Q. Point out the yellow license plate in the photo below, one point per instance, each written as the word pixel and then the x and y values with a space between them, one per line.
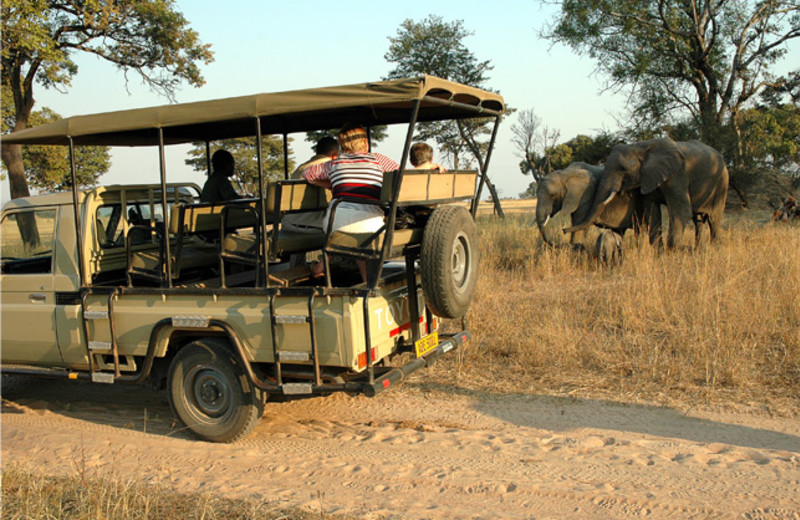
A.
pixel 426 344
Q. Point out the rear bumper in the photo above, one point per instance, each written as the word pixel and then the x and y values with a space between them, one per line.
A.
pixel 397 374
pixel 383 377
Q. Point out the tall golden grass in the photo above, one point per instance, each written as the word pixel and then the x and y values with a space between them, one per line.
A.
pixel 724 317
pixel 29 493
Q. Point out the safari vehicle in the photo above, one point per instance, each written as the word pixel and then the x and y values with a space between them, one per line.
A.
pixel 145 283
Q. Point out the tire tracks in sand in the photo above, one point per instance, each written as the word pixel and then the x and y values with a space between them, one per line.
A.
pixel 416 454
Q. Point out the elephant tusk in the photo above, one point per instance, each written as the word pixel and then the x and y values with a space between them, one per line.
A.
pixel 610 198
pixel 546 221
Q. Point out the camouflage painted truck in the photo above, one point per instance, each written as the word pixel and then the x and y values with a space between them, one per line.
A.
pixel 135 283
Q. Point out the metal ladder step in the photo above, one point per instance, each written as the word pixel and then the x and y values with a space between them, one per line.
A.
pixel 285 356
pixel 102 377
pixel 100 347
pixel 291 356
pixel 296 319
pixel 297 388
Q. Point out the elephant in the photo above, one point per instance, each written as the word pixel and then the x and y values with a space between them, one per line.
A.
pixel 570 191
pixel 609 248
pixel 690 178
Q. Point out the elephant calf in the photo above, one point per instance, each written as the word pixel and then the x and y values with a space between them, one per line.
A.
pixel 609 248
pixel 571 191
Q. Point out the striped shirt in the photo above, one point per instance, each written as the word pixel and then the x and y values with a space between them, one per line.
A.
pixel 354 175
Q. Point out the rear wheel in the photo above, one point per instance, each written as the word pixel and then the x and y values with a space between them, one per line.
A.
pixel 449 261
pixel 210 393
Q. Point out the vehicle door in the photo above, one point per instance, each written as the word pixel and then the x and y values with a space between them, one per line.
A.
pixel 27 298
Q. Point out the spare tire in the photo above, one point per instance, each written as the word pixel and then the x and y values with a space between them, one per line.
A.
pixel 449 261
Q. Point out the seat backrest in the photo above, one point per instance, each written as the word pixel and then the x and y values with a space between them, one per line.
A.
pixel 421 186
pixel 295 195
pixel 205 217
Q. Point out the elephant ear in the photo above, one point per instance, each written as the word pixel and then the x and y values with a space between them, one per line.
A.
pixel 577 191
pixel 663 160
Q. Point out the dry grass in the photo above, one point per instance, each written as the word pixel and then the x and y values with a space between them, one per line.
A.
pixel 723 320
pixel 30 493
pixel 510 207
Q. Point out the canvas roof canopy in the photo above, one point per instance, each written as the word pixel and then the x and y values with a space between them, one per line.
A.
pixel 385 102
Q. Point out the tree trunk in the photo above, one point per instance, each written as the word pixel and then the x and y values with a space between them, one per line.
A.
pixel 498 209
pixel 483 178
pixel 735 187
pixel 12 158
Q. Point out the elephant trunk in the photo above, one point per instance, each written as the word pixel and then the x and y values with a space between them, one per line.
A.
pixel 602 198
pixel 543 210
pixel 588 221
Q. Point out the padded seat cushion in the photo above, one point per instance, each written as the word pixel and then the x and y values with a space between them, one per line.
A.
pixel 288 242
pixel 292 241
pixel 240 244
pixel 149 259
pixel 402 237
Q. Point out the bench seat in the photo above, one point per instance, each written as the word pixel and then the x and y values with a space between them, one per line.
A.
pixel 245 244
pixel 191 257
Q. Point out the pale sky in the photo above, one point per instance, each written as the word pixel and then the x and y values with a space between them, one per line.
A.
pixel 268 46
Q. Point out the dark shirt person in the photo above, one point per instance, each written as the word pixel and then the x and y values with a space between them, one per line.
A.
pixel 218 187
pixel 326 149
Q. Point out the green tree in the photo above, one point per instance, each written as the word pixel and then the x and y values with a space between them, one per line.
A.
pixel 785 89
pixel 542 154
pixel 705 58
pixel 245 157
pixel 48 167
pixel 433 46
pixel 561 156
pixel 41 37
pixel 771 137
pixel 592 150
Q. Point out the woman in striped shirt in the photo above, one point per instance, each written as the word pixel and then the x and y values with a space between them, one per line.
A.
pixel 357 174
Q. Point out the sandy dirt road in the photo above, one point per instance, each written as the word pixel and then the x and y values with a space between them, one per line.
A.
pixel 420 453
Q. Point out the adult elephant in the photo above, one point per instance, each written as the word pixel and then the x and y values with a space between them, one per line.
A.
pixel 689 177
pixel 571 191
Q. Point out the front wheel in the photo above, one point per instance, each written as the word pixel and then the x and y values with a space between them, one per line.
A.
pixel 210 394
pixel 449 261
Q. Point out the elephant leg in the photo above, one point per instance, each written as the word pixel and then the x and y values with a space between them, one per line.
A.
pixel 578 242
pixel 698 221
pixel 705 220
pixel 698 229
pixel 680 215
pixel 715 220
pixel 654 225
pixel 578 237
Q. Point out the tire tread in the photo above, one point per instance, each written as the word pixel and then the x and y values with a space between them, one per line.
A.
pixel 440 232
